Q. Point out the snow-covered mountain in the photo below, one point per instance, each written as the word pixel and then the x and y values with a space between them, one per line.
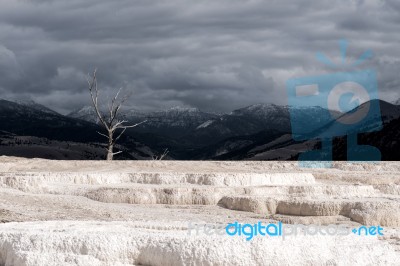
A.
pixel 34 105
pixel 30 104
pixel 255 118
pixel 173 122
pixel 179 118
pixel 86 113
pixel 198 128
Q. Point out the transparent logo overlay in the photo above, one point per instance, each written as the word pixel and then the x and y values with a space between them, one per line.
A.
pixel 262 229
pixel 350 106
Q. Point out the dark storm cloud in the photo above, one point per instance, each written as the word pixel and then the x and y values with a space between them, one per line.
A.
pixel 214 55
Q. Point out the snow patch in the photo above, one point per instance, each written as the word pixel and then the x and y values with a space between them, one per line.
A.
pixel 205 124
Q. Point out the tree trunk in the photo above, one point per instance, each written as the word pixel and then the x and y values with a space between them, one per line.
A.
pixel 110 148
pixel 110 153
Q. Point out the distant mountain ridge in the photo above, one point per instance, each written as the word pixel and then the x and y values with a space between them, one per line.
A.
pixel 173 122
pixel 192 125
pixel 256 132
pixel 43 126
pixel 284 147
pixel 32 104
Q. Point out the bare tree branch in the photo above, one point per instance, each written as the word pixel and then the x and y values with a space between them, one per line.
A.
pixel 135 125
pixel 118 152
pixel 93 86
pixel 104 135
pixel 113 110
pixel 126 127
pixel 120 124
pixel 120 134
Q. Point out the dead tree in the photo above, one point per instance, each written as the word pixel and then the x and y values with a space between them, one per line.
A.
pixel 115 128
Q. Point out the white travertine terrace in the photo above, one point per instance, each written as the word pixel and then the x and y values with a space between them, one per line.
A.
pixel 137 212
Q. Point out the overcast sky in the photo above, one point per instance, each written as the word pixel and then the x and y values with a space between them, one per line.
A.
pixel 216 55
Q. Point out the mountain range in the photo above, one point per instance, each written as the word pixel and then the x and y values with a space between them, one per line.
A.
pixel 256 132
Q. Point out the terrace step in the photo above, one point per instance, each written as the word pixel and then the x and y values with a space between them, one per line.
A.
pixel 20 180
pixel 367 211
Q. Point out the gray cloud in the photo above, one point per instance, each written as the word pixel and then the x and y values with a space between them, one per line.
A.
pixel 214 55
